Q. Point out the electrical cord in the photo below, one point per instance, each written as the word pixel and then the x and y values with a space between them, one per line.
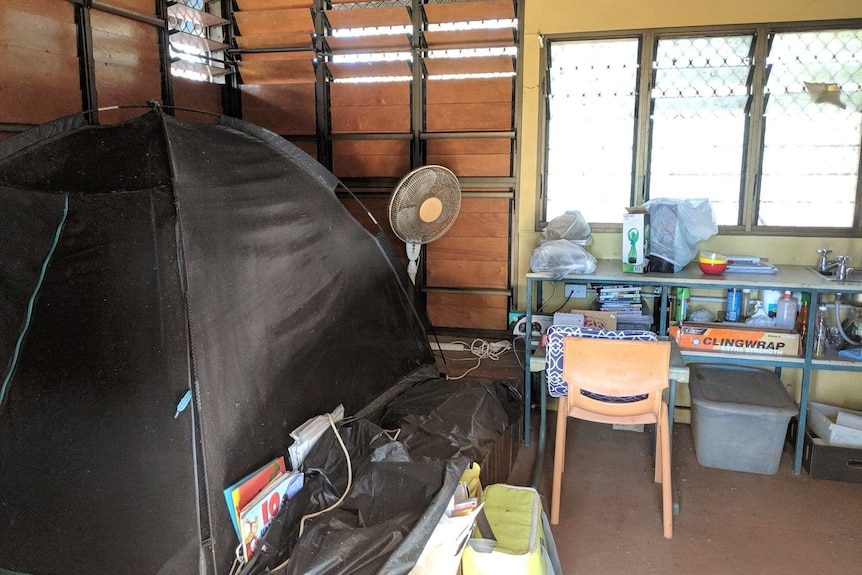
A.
pixel 482 350
pixel 346 489
pixel 562 305
pixel 550 297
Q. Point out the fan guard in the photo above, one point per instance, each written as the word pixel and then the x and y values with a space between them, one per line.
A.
pixel 424 204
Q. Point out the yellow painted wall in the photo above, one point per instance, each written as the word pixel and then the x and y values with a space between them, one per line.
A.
pixel 549 17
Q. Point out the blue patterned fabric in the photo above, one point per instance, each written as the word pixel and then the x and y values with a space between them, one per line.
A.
pixel 557 386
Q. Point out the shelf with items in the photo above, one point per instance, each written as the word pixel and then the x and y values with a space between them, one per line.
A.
pixel 794 278
pixel 744 359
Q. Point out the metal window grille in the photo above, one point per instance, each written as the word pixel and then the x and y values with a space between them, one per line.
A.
pixel 766 123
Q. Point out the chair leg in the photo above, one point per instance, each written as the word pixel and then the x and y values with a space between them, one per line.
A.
pixel 559 461
pixel 658 452
pixel 666 481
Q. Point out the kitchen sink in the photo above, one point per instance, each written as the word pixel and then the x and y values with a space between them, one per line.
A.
pixel 853 278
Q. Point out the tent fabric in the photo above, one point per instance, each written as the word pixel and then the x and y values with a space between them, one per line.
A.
pixel 210 258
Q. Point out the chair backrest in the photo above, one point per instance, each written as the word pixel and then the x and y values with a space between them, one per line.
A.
pixel 600 370
pixel 554 352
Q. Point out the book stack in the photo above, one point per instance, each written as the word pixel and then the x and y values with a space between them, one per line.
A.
pixel 254 500
pixel 626 302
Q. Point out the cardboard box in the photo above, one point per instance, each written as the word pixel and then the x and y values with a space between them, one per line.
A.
pixel 636 230
pixel 825 421
pixel 824 461
pixel 735 338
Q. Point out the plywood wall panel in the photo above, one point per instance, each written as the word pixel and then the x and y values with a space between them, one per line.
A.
pixel 474 253
pixel 480 224
pixel 370 158
pixel 469 105
pixel 468 117
pixel 196 95
pixel 467 274
pixel 285 40
pixel 127 63
pixel 454 248
pixel 145 7
pixel 284 71
pixel 370 119
pixel 287 109
pixel 38 57
pixel 482 65
pixel 368 17
pixel 474 311
pixel 59 9
pixel 273 4
pixel 306 146
pixel 486 90
pixel 470 11
pixel 266 22
pixel 54 33
pixel 472 157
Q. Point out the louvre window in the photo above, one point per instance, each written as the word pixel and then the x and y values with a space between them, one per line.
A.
pixel 766 123
pixel 194 51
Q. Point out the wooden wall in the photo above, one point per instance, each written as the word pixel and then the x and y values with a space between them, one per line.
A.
pixel 38 58
pixel 410 112
pixel 42 66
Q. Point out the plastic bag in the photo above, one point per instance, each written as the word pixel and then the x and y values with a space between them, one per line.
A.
pixel 570 226
pixel 559 258
pixel 675 228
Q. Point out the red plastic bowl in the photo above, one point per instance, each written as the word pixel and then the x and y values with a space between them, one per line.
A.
pixel 712 268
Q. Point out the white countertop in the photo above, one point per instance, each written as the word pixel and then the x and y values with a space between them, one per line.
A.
pixel 787 277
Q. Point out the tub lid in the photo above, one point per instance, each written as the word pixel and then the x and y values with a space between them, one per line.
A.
pixel 739 388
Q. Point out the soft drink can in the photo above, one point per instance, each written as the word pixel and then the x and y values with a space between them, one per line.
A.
pixel 734 304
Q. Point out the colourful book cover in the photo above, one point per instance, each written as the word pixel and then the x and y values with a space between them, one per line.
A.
pixel 256 516
pixel 240 493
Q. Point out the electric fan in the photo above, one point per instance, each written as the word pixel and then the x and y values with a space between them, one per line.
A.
pixel 423 206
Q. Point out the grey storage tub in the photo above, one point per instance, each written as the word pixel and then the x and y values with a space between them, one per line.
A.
pixel 739 417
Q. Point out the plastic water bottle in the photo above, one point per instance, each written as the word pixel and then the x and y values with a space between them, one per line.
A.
pixel 745 306
pixel 785 311
pixel 820 332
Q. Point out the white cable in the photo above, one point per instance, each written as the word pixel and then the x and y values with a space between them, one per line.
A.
pixel 346 489
pixel 483 350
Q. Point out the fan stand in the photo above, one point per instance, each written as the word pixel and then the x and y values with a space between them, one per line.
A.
pixel 429 211
pixel 413 257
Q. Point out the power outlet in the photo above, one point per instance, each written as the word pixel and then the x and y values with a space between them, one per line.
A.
pixel 575 290
pixel 541 323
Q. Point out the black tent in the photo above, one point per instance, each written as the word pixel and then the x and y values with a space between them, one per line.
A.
pixel 140 261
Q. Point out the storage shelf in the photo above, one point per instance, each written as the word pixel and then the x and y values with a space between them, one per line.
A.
pixel 794 277
pixel 744 359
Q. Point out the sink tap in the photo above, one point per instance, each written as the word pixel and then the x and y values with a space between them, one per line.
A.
pixel 824 265
pixel 839 264
pixel 843 272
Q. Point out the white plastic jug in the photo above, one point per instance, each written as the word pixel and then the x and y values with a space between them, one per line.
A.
pixel 785 311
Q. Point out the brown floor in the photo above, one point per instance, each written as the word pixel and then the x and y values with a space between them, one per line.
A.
pixel 729 522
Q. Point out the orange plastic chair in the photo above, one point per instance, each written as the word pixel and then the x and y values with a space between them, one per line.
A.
pixel 604 377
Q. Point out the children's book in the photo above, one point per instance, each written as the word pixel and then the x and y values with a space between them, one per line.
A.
pixel 256 516
pixel 240 493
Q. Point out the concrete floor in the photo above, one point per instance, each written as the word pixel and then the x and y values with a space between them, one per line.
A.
pixel 730 523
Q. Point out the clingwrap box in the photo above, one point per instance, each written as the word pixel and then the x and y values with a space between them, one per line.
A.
pixel 735 338
pixel 635 254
